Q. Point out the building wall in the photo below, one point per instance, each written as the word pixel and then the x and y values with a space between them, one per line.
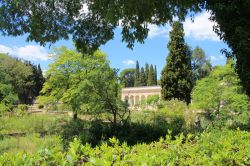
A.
pixel 135 95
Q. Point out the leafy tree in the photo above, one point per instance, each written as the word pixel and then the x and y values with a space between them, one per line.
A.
pixel 222 98
pixel 83 84
pixel 233 28
pixel 176 80
pixel 127 77
pixel 143 77
pixel 62 19
pixel 151 76
pixel 14 76
pixel 33 84
pixel 200 64
pixel 137 74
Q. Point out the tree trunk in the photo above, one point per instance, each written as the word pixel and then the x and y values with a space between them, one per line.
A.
pixel 115 119
pixel 74 114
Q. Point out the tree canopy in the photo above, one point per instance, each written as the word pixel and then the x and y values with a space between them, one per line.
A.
pixel 91 23
pixel 222 97
pixel 20 82
pixel 83 84
pixel 200 63
pixel 127 77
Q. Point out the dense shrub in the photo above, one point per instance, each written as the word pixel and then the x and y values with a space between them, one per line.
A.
pixel 219 147
pixel 221 99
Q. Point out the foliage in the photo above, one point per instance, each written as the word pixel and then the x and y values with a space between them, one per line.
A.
pixel 62 19
pixel 218 147
pixel 222 98
pixel 57 20
pixel 176 80
pixel 127 77
pixel 155 75
pixel 200 64
pixel 137 75
pixel 84 83
pixel 233 28
pixel 179 116
pixel 17 82
pixel 143 77
pixel 151 76
pixel 153 99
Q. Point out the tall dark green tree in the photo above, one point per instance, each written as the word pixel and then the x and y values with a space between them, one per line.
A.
pixel 57 20
pixel 137 74
pixel 176 80
pixel 39 79
pixel 151 76
pixel 155 70
pixel 143 77
pixel 146 71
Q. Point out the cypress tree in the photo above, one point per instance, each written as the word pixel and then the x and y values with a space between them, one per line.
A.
pixel 176 80
pixel 137 74
pixel 155 75
pixel 146 72
pixel 143 77
pixel 39 79
pixel 150 76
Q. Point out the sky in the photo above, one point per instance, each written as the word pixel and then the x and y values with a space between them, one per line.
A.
pixel 153 51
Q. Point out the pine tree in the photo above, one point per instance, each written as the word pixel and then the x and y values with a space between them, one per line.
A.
pixel 137 75
pixel 155 75
pixel 146 72
pixel 176 80
pixel 150 76
pixel 143 77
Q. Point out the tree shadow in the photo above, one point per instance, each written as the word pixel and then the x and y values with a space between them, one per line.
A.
pixel 95 132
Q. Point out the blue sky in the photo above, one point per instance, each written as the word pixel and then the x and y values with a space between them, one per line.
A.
pixel 153 51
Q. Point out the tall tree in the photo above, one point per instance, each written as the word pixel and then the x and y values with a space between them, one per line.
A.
pixel 83 83
pixel 176 80
pixel 146 72
pixel 151 76
pixel 137 74
pixel 57 20
pixel 155 75
pixel 143 77
pixel 200 63
pixel 127 77
pixel 39 79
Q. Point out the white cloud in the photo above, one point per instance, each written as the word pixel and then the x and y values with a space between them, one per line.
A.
pixel 217 58
pixel 201 28
pixel 128 62
pixel 28 52
pixel 156 31
pixel 5 49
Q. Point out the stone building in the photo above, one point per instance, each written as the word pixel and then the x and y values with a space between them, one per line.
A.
pixel 135 95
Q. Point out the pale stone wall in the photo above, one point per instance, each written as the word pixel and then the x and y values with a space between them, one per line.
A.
pixel 135 95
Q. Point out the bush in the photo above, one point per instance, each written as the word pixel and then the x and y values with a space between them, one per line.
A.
pixel 221 99
pixel 218 147
pixel 21 110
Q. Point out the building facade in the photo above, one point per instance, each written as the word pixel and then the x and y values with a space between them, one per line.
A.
pixel 136 95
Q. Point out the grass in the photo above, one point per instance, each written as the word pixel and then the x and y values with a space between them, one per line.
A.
pixel 30 133
pixel 49 124
pixel 29 143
